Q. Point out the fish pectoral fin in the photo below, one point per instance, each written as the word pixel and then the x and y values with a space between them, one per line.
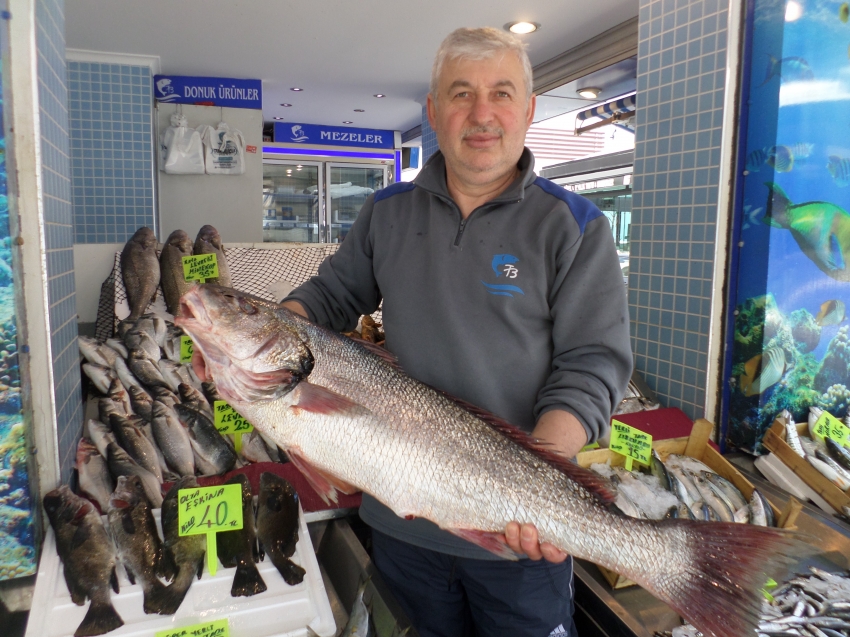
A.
pixel 323 483
pixel 320 400
pixel 493 542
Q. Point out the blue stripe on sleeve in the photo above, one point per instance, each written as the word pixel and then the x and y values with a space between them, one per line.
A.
pixel 394 189
pixel 583 210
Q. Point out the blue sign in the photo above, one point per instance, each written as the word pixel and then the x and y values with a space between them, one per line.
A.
pixel 322 135
pixel 208 91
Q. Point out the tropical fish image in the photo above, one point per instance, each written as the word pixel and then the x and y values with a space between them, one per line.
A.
pixel 763 371
pixel 780 158
pixel 788 69
pixel 839 168
pixel 756 159
pixel 831 313
pixel 751 216
pixel 821 229
pixel 844 12
pixel 801 150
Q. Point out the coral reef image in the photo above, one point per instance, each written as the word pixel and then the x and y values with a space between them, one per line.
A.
pixel 17 547
pixel 774 368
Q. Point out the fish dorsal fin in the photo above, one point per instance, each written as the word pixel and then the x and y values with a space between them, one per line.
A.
pixel 379 351
pixel 592 482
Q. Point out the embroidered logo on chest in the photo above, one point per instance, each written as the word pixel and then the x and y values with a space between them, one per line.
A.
pixel 504 266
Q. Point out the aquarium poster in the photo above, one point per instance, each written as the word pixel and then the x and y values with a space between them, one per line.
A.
pixel 17 539
pixel 790 327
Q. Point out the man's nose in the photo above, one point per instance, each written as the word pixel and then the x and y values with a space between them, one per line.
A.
pixel 482 110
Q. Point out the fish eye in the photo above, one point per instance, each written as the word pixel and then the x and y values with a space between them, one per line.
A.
pixel 247 307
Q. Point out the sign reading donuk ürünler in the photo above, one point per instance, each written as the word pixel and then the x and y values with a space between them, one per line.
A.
pixel 208 91
pixel 321 135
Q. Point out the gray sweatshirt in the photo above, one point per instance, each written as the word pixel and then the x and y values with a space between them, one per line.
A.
pixel 519 309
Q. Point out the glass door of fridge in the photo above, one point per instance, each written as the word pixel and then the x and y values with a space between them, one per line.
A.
pixel 293 196
pixel 348 187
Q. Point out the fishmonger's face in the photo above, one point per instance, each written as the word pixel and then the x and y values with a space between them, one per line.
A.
pixel 481 115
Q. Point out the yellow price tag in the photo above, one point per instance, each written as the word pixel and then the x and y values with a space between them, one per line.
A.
pixel 630 442
pixel 200 267
pixel 207 510
pixel 228 421
pixel 215 628
pixel 591 446
pixel 187 348
pixel 828 426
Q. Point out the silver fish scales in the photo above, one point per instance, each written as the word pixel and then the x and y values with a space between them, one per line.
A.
pixel 344 412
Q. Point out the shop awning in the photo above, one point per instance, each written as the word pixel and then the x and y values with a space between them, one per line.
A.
pixel 619 112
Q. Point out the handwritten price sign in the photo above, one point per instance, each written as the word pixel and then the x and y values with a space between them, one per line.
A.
pixel 208 510
pixel 200 267
pixel 187 348
pixel 828 426
pixel 630 442
pixel 217 628
pixel 227 421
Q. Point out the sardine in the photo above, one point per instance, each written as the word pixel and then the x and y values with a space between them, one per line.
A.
pixel 93 473
pixel 718 505
pixel 140 271
pixel 87 558
pixel 277 525
pixel 186 552
pixel 344 412
pixel 239 548
pixel 172 439
pixel 660 471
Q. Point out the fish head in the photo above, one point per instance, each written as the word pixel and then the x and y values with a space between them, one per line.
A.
pixel 208 234
pixel 180 240
pixel 244 343
pixel 85 450
pixel 63 507
pixel 129 492
pixel 144 237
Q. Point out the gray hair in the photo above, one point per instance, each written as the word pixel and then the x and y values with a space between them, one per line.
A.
pixel 480 44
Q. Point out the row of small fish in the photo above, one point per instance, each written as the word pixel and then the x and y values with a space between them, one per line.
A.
pixel 783 159
pixel 684 487
pixel 830 458
pixel 143 271
pixel 165 568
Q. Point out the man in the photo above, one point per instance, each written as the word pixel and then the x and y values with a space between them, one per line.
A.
pixel 503 290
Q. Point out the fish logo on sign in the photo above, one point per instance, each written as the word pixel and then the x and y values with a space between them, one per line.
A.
pixel 503 264
pixel 165 90
pixel 298 134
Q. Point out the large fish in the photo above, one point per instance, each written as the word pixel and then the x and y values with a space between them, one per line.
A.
pixel 208 241
pixel 140 271
pixel 177 246
pixel 344 411
pixel 87 558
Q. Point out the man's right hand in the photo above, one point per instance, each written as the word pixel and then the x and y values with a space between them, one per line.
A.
pixel 295 306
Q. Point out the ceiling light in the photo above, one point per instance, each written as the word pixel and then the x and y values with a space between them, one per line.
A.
pixel 295 88
pixel 359 110
pixel 521 28
pixel 297 169
pixel 348 121
pixel 286 104
pixel 299 166
pixel 379 95
pixel 278 118
pixel 793 11
pixel 589 93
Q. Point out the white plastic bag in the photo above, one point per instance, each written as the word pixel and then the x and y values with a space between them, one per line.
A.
pixel 224 150
pixel 181 148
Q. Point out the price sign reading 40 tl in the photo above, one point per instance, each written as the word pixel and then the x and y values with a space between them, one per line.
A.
pixel 828 426
pixel 215 628
pixel 630 442
pixel 187 348
pixel 228 421
pixel 200 267
pixel 208 510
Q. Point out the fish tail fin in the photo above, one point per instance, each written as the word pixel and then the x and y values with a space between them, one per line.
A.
pixel 101 618
pixel 716 580
pixel 165 600
pixel 247 581
pixel 290 571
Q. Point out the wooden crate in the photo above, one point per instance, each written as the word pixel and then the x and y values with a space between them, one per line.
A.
pixel 774 440
pixel 696 446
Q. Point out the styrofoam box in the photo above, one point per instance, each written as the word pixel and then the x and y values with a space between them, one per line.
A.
pixel 281 611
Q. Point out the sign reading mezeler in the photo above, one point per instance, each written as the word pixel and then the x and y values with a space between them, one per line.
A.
pixel 322 135
pixel 208 91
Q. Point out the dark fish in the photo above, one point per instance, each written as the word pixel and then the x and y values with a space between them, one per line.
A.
pixel 140 271
pixel 788 69
pixel 756 159
pixel 136 444
pixel 174 284
pixel 839 168
pixel 277 525
pixel 780 158
pixel 213 452
pixel 132 526
pixel 187 552
pixel 87 558
pixel 208 241
pixel 121 464
pixel 239 548
pixel 838 452
pixel 93 473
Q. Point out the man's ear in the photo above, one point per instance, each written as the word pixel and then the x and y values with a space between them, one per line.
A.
pixel 431 107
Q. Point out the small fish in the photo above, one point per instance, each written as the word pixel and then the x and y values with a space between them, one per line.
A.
pixel 125 375
pixel 844 12
pixel 277 525
pixel 843 473
pixel 791 435
pixel 208 241
pixel 119 396
pixel 718 505
pixel 660 471
pixel 93 474
pixel 140 271
pixel 171 373
pixel 802 150
pixel 143 343
pixel 788 69
pixel 213 452
pixel 761 514
pixel 756 159
pixel 239 548
pixel 839 168
pixel 186 552
pixel 829 472
pixel 831 313
pixel 730 490
pixel 87 558
pixel 780 158
pixel 763 371
pixel 174 284
pixel 210 392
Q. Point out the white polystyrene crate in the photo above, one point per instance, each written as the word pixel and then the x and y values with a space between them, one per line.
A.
pixel 280 611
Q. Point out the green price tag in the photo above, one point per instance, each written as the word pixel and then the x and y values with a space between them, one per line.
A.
pixel 591 446
pixel 228 421
pixel 828 426
pixel 208 510
pixel 187 348
pixel 630 442
pixel 200 267
pixel 769 586
pixel 215 628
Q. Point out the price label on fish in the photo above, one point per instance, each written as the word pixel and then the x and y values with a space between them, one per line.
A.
pixel 207 511
pixel 187 348
pixel 828 426
pixel 630 442
pixel 200 267
pixel 216 628
pixel 228 421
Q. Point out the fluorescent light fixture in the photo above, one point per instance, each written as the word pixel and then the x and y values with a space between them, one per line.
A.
pixel 278 118
pixel 299 166
pixel 286 104
pixel 295 88
pixel 348 121
pixel 793 11
pixel 379 95
pixel 359 110
pixel 522 28
pixel 589 93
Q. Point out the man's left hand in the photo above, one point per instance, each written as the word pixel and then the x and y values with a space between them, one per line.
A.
pixel 523 539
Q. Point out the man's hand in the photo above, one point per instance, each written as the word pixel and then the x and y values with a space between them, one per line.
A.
pixel 523 539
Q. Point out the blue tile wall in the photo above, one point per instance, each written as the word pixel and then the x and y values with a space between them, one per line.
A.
pixel 681 75
pixel 429 137
pixel 58 226
pixel 110 109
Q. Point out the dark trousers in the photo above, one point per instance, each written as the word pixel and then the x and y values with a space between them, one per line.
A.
pixel 448 596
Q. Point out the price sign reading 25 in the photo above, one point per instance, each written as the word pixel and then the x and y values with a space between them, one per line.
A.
pixel 228 421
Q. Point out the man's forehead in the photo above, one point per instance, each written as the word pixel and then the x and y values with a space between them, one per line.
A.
pixel 500 69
